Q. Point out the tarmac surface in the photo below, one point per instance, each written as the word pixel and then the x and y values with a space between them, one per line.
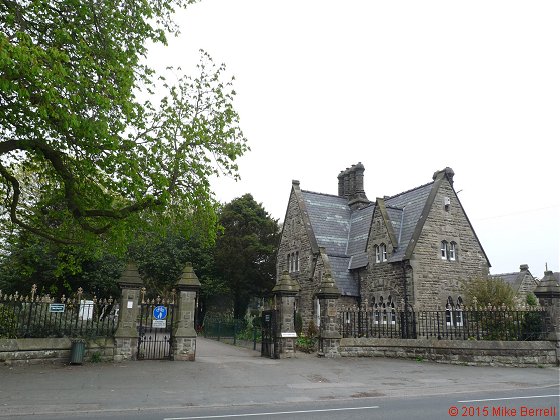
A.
pixel 225 375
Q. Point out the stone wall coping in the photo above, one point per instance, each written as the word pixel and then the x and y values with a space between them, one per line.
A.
pixel 447 344
pixel 37 344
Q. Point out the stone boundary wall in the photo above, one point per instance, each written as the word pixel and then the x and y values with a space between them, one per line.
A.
pixel 52 350
pixel 493 353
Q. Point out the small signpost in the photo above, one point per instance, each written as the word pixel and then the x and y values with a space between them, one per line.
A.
pixel 160 313
pixel 57 307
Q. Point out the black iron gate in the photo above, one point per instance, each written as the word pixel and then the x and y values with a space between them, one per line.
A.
pixel 155 333
pixel 269 344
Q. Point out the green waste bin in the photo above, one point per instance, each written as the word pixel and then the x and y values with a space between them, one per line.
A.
pixel 77 351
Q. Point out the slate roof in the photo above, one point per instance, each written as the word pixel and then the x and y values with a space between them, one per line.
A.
pixel 344 279
pixel 360 221
pixel 344 233
pixel 404 211
pixel 513 279
pixel 330 219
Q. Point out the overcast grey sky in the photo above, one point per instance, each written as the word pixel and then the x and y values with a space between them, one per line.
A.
pixel 406 88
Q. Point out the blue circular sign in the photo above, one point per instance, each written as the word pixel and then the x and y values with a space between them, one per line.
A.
pixel 160 312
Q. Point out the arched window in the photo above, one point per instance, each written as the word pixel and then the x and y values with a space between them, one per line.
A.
pixel 377 310
pixel 449 311
pixel 383 252
pixel 454 313
pixel 443 250
pixel 377 254
pixel 459 312
pixel 288 263
pixel 297 260
pixel 391 310
pixel 452 251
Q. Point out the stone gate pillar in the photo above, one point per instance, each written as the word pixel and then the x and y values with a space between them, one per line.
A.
pixel 126 336
pixel 548 293
pixel 329 335
pixel 184 333
pixel 285 292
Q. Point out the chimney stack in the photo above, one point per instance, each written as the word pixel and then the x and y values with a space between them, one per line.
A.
pixel 341 184
pixel 359 174
pixel 352 175
pixel 447 172
pixel 351 186
pixel 347 183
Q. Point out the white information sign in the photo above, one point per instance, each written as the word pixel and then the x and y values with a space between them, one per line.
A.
pixel 289 334
pixel 158 323
pixel 86 309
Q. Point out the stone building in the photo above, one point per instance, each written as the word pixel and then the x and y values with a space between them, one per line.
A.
pixel 522 282
pixel 413 248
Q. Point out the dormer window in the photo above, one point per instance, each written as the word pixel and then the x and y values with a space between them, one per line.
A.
pixel 292 261
pixel 380 253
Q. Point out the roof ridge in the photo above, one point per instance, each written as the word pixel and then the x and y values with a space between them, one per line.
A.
pixel 318 193
pixel 503 274
pixel 410 190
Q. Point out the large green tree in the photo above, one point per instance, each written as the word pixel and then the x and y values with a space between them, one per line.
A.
pixel 246 250
pixel 55 268
pixel 85 146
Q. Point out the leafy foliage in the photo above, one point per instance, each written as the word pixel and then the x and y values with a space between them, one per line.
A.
pixel 245 251
pixel 56 268
pixel 307 343
pixel 81 155
pixel 161 260
pixel 489 291
pixel 531 299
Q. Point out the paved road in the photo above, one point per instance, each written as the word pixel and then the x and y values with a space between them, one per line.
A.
pixel 224 376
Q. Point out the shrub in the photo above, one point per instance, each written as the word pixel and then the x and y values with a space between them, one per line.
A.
pixel 531 300
pixel 489 291
pixel 306 344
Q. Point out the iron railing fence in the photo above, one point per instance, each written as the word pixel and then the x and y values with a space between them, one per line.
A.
pixel 222 327
pixel 500 324
pixel 36 316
